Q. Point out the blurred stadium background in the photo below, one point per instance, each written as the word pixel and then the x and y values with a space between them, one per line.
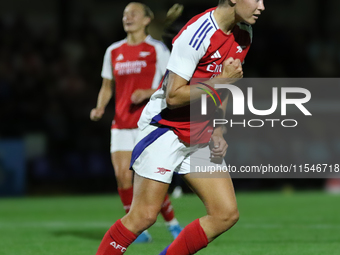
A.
pixel 50 62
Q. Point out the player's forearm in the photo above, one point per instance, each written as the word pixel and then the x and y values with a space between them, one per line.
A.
pixel 179 93
pixel 105 94
pixel 149 92
pixel 223 107
pixel 221 114
pixel 103 99
pixel 186 94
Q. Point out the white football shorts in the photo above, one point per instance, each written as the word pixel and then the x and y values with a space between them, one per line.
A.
pixel 123 139
pixel 159 153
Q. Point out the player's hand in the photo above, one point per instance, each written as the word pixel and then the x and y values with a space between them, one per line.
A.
pixel 173 13
pixel 138 96
pixel 218 146
pixel 232 68
pixel 96 114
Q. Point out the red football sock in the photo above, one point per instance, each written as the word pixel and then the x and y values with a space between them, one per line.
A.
pixel 126 197
pixel 116 240
pixel 167 210
pixel 189 241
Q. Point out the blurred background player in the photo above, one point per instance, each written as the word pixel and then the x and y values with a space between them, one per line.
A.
pixel 132 70
pixel 219 37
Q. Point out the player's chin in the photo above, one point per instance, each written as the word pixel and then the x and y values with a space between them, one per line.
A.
pixel 128 29
pixel 252 20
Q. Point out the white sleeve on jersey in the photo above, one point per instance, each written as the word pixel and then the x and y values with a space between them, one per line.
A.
pixel 107 72
pixel 163 55
pixel 162 58
pixel 190 47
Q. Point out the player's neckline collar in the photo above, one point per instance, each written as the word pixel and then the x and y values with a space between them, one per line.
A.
pixel 213 20
pixel 148 37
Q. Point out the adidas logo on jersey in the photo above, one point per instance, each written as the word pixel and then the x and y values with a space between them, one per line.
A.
pixel 120 57
pixel 216 55
pixel 143 54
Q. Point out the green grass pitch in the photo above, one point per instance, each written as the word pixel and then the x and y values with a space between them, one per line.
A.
pixel 306 223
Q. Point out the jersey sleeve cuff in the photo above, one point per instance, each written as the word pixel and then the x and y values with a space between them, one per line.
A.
pixel 183 75
pixel 106 77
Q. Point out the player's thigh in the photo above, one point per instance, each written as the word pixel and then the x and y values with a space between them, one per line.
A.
pixel 121 164
pixel 215 189
pixel 217 194
pixel 148 196
pixel 148 192
pixel 121 160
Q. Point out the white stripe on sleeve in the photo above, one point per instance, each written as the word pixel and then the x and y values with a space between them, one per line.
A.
pixel 190 47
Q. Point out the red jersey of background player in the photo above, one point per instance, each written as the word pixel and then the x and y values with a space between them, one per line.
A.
pixel 199 51
pixel 133 67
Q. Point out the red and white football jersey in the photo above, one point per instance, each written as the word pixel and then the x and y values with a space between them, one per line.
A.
pixel 199 51
pixel 133 67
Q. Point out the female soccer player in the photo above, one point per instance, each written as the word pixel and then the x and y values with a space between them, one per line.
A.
pixel 212 45
pixel 132 68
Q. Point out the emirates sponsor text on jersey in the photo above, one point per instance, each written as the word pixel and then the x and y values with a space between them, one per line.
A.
pixel 130 67
pixel 214 68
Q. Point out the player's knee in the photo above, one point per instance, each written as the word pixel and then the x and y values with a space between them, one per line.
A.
pixel 234 216
pixel 230 217
pixel 141 218
pixel 227 216
pixel 148 216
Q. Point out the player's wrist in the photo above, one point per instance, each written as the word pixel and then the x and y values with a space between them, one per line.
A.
pixel 100 108
pixel 220 130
